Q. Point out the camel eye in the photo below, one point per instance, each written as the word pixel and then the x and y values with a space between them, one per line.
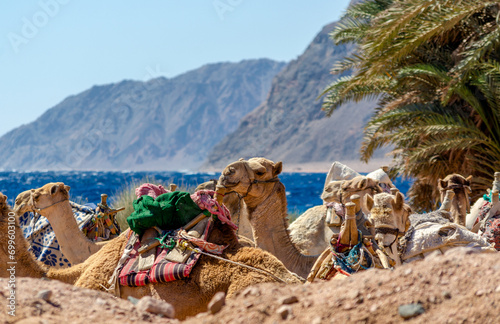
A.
pixel 260 173
pixel 328 189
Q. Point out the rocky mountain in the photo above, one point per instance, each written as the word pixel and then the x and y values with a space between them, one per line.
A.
pixel 290 125
pixel 162 124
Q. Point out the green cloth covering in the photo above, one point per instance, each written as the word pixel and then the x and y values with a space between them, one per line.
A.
pixel 168 211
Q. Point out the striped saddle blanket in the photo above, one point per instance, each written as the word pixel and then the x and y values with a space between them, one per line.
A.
pixel 132 273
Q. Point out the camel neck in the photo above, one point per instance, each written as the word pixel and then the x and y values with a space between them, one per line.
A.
pixel 74 245
pixel 270 228
pixel 459 208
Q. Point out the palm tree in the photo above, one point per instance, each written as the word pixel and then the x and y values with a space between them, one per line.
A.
pixel 433 64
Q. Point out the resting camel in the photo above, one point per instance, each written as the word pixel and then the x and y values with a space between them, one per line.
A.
pixel 461 187
pixel 420 234
pixel 52 201
pixel 188 297
pixel 311 231
pixel 256 180
pixel 238 209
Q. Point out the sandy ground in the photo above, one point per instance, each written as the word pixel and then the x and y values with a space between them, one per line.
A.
pixel 458 287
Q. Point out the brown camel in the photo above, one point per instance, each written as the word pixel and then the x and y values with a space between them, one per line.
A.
pixel 238 209
pixel 188 297
pixel 52 201
pixel 461 186
pixel 256 180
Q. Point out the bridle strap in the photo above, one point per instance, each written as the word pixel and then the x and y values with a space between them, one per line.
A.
pixel 388 230
pixel 38 210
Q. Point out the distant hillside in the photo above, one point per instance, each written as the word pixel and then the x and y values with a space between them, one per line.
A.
pixel 289 125
pixel 162 124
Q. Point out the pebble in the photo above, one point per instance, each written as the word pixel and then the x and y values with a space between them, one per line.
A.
pixel 289 300
pixel 251 291
pixel 154 306
pixel 284 311
pixel 410 310
pixel 316 320
pixel 446 294
pixel 218 300
pixel 480 292
pixel 408 272
pixel 133 300
pixel 44 294
pixel 497 289
pixel 100 302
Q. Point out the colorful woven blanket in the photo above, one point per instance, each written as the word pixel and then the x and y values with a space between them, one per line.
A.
pixel 163 270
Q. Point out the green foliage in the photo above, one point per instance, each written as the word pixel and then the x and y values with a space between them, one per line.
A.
pixel 434 65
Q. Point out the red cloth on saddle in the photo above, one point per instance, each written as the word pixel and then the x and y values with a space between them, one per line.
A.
pixel 492 232
pixel 161 271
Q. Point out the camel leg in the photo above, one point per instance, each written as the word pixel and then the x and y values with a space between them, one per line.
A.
pixel 395 254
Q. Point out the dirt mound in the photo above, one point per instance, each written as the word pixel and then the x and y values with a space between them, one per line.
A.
pixel 459 287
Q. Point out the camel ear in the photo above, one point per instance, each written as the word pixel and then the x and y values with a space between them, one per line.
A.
pixel 3 198
pixel 67 188
pixel 442 184
pixel 278 167
pixel 468 180
pixel 241 159
pixel 54 189
pixel 363 184
pixel 399 201
pixel 369 201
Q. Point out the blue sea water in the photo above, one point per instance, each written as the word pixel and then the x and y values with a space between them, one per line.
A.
pixel 303 189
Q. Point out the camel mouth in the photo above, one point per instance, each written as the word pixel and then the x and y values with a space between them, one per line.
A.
pixel 24 208
pixel 226 184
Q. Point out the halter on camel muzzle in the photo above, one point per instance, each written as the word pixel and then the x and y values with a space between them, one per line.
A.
pixel 253 181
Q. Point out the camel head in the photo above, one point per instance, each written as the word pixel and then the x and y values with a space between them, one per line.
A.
pixel 341 191
pixel 252 179
pixel 38 200
pixel 461 187
pixel 389 215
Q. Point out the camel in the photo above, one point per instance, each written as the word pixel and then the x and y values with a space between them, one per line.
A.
pixel 238 209
pixel 311 231
pixel 479 208
pixel 52 201
pixel 188 297
pixel 421 234
pixel 256 180
pixel 339 259
pixel 461 187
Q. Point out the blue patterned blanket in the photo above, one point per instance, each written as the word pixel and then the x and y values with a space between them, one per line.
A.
pixel 41 238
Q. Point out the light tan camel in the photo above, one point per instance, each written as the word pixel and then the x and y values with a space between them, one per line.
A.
pixel 188 297
pixel 311 231
pixel 256 180
pixel 17 261
pixel 52 201
pixel 461 186
pixel 421 233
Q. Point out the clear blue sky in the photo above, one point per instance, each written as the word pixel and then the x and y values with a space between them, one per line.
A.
pixel 50 49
